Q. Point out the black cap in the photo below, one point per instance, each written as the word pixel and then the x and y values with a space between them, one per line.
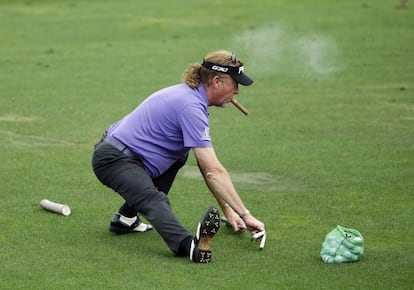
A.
pixel 236 72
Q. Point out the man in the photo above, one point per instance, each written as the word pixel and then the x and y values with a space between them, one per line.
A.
pixel 140 155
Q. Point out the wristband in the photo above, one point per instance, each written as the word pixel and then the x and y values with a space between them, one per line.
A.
pixel 246 212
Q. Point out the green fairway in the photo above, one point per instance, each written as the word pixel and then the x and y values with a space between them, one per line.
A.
pixel 329 140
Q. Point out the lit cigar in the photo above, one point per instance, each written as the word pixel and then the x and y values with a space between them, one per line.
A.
pixel 240 107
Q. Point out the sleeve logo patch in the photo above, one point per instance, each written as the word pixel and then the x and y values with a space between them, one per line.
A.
pixel 206 135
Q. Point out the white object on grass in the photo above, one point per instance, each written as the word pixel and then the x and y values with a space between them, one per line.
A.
pixel 256 236
pixel 262 243
pixel 259 235
pixel 55 207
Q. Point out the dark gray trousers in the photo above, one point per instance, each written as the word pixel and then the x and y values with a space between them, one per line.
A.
pixel 126 176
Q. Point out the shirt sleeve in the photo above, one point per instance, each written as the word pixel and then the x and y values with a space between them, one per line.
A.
pixel 195 127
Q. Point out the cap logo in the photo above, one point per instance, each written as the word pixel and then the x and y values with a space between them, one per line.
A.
pixel 231 70
pixel 219 68
pixel 236 72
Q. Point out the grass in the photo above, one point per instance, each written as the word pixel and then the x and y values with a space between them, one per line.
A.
pixel 329 139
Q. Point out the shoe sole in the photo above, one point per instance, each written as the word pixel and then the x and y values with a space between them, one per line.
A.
pixel 119 231
pixel 123 231
pixel 207 228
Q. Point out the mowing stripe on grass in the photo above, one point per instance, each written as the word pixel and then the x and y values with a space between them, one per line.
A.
pixel 32 141
pixel 260 181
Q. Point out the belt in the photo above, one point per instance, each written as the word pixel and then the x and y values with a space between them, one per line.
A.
pixel 119 145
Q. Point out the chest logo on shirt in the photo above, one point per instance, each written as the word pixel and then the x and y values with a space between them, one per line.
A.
pixel 206 135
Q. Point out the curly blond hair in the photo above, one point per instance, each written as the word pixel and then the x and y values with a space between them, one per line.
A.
pixel 195 72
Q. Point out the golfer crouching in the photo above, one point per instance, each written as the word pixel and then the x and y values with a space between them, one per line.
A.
pixel 140 155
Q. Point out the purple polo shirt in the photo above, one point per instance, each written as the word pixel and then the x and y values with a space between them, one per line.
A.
pixel 165 126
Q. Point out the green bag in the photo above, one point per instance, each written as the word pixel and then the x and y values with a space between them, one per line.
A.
pixel 342 245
